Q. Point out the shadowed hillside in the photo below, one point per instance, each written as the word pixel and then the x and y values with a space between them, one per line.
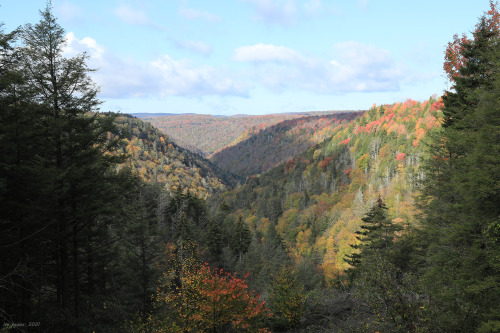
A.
pixel 316 199
pixel 206 134
pixel 159 159
pixel 266 148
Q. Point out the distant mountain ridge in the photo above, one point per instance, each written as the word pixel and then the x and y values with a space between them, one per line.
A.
pixel 316 199
pixel 157 158
pixel 257 150
pixel 206 134
pixel 141 115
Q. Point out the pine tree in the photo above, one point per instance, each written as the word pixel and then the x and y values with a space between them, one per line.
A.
pixel 469 67
pixel 460 228
pixel 286 299
pixel 375 236
pixel 214 240
pixel 21 187
pixel 241 238
pixel 58 179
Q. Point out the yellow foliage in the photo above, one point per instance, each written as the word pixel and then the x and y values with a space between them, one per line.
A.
pixel 263 225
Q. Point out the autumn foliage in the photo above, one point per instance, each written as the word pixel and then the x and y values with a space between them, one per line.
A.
pixel 324 191
pixel 454 54
pixel 195 298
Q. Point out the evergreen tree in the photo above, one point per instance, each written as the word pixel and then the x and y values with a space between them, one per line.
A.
pixel 22 187
pixel 59 181
pixel 214 240
pixel 375 236
pixel 469 66
pixel 377 277
pixel 286 299
pixel 460 228
pixel 241 238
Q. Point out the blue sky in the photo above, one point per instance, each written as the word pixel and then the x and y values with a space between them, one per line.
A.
pixel 258 56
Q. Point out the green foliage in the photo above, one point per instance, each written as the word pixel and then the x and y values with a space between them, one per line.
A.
pixel 240 238
pixel 193 298
pixel 460 229
pixel 207 134
pixel 286 300
pixel 317 199
pixel 277 144
pixel 59 189
pixel 87 201
pixel 156 158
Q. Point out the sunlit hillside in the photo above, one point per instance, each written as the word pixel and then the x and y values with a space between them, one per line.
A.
pixel 317 199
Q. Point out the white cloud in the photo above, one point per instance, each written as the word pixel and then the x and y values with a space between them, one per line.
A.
pixel 366 67
pixel 194 46
pixel 74 46
pixel 266 53
pixel 356 68
pixel 193 14
pixel 125 78
pixel 275 11
pixel 285 12
pixel 131 15
pixel 181 77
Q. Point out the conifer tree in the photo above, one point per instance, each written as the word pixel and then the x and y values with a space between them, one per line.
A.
pixel 20 206
pixel 214 240
pixel 286 299
pixel 462 192
pixel 375 236
pixel 241 238
pixel 61 186
pixel 469 66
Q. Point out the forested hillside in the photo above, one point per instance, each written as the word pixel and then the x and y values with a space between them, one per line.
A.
pixel 266 148
pixel 391 224
pixel 157 159
pixel 316 200
pixel 207 134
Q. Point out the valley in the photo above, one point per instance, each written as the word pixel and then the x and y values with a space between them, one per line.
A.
pixel 376 220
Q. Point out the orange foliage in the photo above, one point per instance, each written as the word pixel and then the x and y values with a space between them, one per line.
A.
pixel 437 105
pixel 197 299
pixel 346 141
pixel 454 55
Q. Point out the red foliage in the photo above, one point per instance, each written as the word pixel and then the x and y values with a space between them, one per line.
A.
pixel 320 208
pixel 400 156
pixel 409 103
pixel 348 171
pixel 454 59
pixel 437 105
pixel 346 141
pixel 325 163
pixel 389 116
pixel 289 166
pixel 204 300
pixel 368 127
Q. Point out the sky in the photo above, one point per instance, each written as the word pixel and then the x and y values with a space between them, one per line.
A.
pixel 226 57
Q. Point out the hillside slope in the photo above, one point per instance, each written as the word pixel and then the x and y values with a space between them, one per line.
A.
pixel 317 199
pixel 157 158
pixel 266 148
pixel 206 134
